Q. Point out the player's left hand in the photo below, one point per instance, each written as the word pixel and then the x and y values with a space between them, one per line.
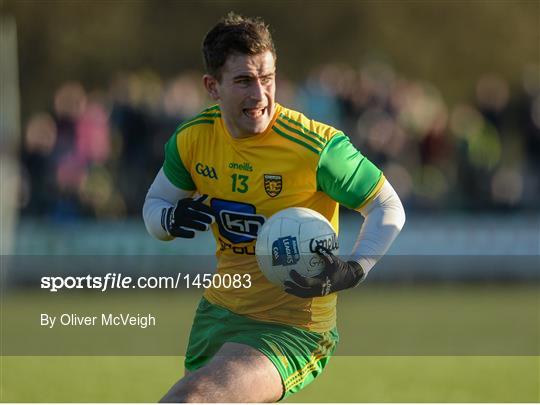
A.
pixel 338 275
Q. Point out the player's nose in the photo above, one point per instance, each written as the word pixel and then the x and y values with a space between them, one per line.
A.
pixel 257 90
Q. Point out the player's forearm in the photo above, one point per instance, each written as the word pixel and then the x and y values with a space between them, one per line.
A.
pixel 161 195
pixel 384 219
pixel 153 214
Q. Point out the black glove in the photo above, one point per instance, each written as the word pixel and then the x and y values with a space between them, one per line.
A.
pixel 338 275
pixel 189 215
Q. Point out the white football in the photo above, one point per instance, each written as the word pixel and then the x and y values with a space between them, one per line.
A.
pixel 287 242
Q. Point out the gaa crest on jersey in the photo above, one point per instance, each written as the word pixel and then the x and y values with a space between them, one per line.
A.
pixel 273 184
pixel 206 171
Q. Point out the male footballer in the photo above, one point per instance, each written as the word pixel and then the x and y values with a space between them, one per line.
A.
pixel 230 168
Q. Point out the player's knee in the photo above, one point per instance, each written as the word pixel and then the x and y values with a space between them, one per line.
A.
pixel 191 395
pixel 190 391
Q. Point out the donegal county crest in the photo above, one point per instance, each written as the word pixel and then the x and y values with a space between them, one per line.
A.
pixel 272 184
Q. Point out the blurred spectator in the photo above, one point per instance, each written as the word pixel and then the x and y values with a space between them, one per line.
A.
pixel 96 154
pixel 317 96
pixel 39 185
pixel 132 123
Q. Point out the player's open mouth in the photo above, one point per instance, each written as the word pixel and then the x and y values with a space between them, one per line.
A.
pixel 254 112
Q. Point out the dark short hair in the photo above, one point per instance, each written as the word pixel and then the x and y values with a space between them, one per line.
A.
pixel 235 34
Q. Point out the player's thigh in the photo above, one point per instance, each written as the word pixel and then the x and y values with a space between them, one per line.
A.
pixel 245 373
pixel 237 373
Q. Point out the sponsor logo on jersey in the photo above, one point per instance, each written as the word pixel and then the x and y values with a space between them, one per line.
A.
pixel 237 222
pixel 240 223
pixel 272 184
pixel 206 171
pixel 330 242
pixel 241 166
pixel 285 251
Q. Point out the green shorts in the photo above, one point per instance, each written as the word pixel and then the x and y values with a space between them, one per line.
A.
pixel 298 354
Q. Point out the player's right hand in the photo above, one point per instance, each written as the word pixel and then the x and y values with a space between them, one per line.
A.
pixel 189 215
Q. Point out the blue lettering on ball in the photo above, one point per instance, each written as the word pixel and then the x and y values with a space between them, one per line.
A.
pixel 285 251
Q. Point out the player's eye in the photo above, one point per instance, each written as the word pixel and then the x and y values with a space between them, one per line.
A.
pixel 244 81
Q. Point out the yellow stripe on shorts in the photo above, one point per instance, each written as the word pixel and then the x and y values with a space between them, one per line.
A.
pixel 325 344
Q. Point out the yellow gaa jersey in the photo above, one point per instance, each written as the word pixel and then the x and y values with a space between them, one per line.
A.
pixel 296 162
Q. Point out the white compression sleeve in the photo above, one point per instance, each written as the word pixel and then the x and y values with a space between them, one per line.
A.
pixel 384 219
pixel 161 194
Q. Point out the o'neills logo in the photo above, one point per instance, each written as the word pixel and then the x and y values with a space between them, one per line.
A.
pixel 330 242
pixel 241 166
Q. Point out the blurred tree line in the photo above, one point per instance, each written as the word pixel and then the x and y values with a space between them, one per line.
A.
pixel 449 43
pixel 444 97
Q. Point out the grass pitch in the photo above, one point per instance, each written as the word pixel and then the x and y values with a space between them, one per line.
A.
pixel 398 344
pixel 347 379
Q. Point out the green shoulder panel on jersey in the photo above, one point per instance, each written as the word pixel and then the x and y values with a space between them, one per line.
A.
pixel 173 167
pixel 346 175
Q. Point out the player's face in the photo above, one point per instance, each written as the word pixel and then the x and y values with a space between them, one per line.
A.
pixel 245 93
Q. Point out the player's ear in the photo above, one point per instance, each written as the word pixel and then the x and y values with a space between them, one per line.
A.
pixel 211 86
